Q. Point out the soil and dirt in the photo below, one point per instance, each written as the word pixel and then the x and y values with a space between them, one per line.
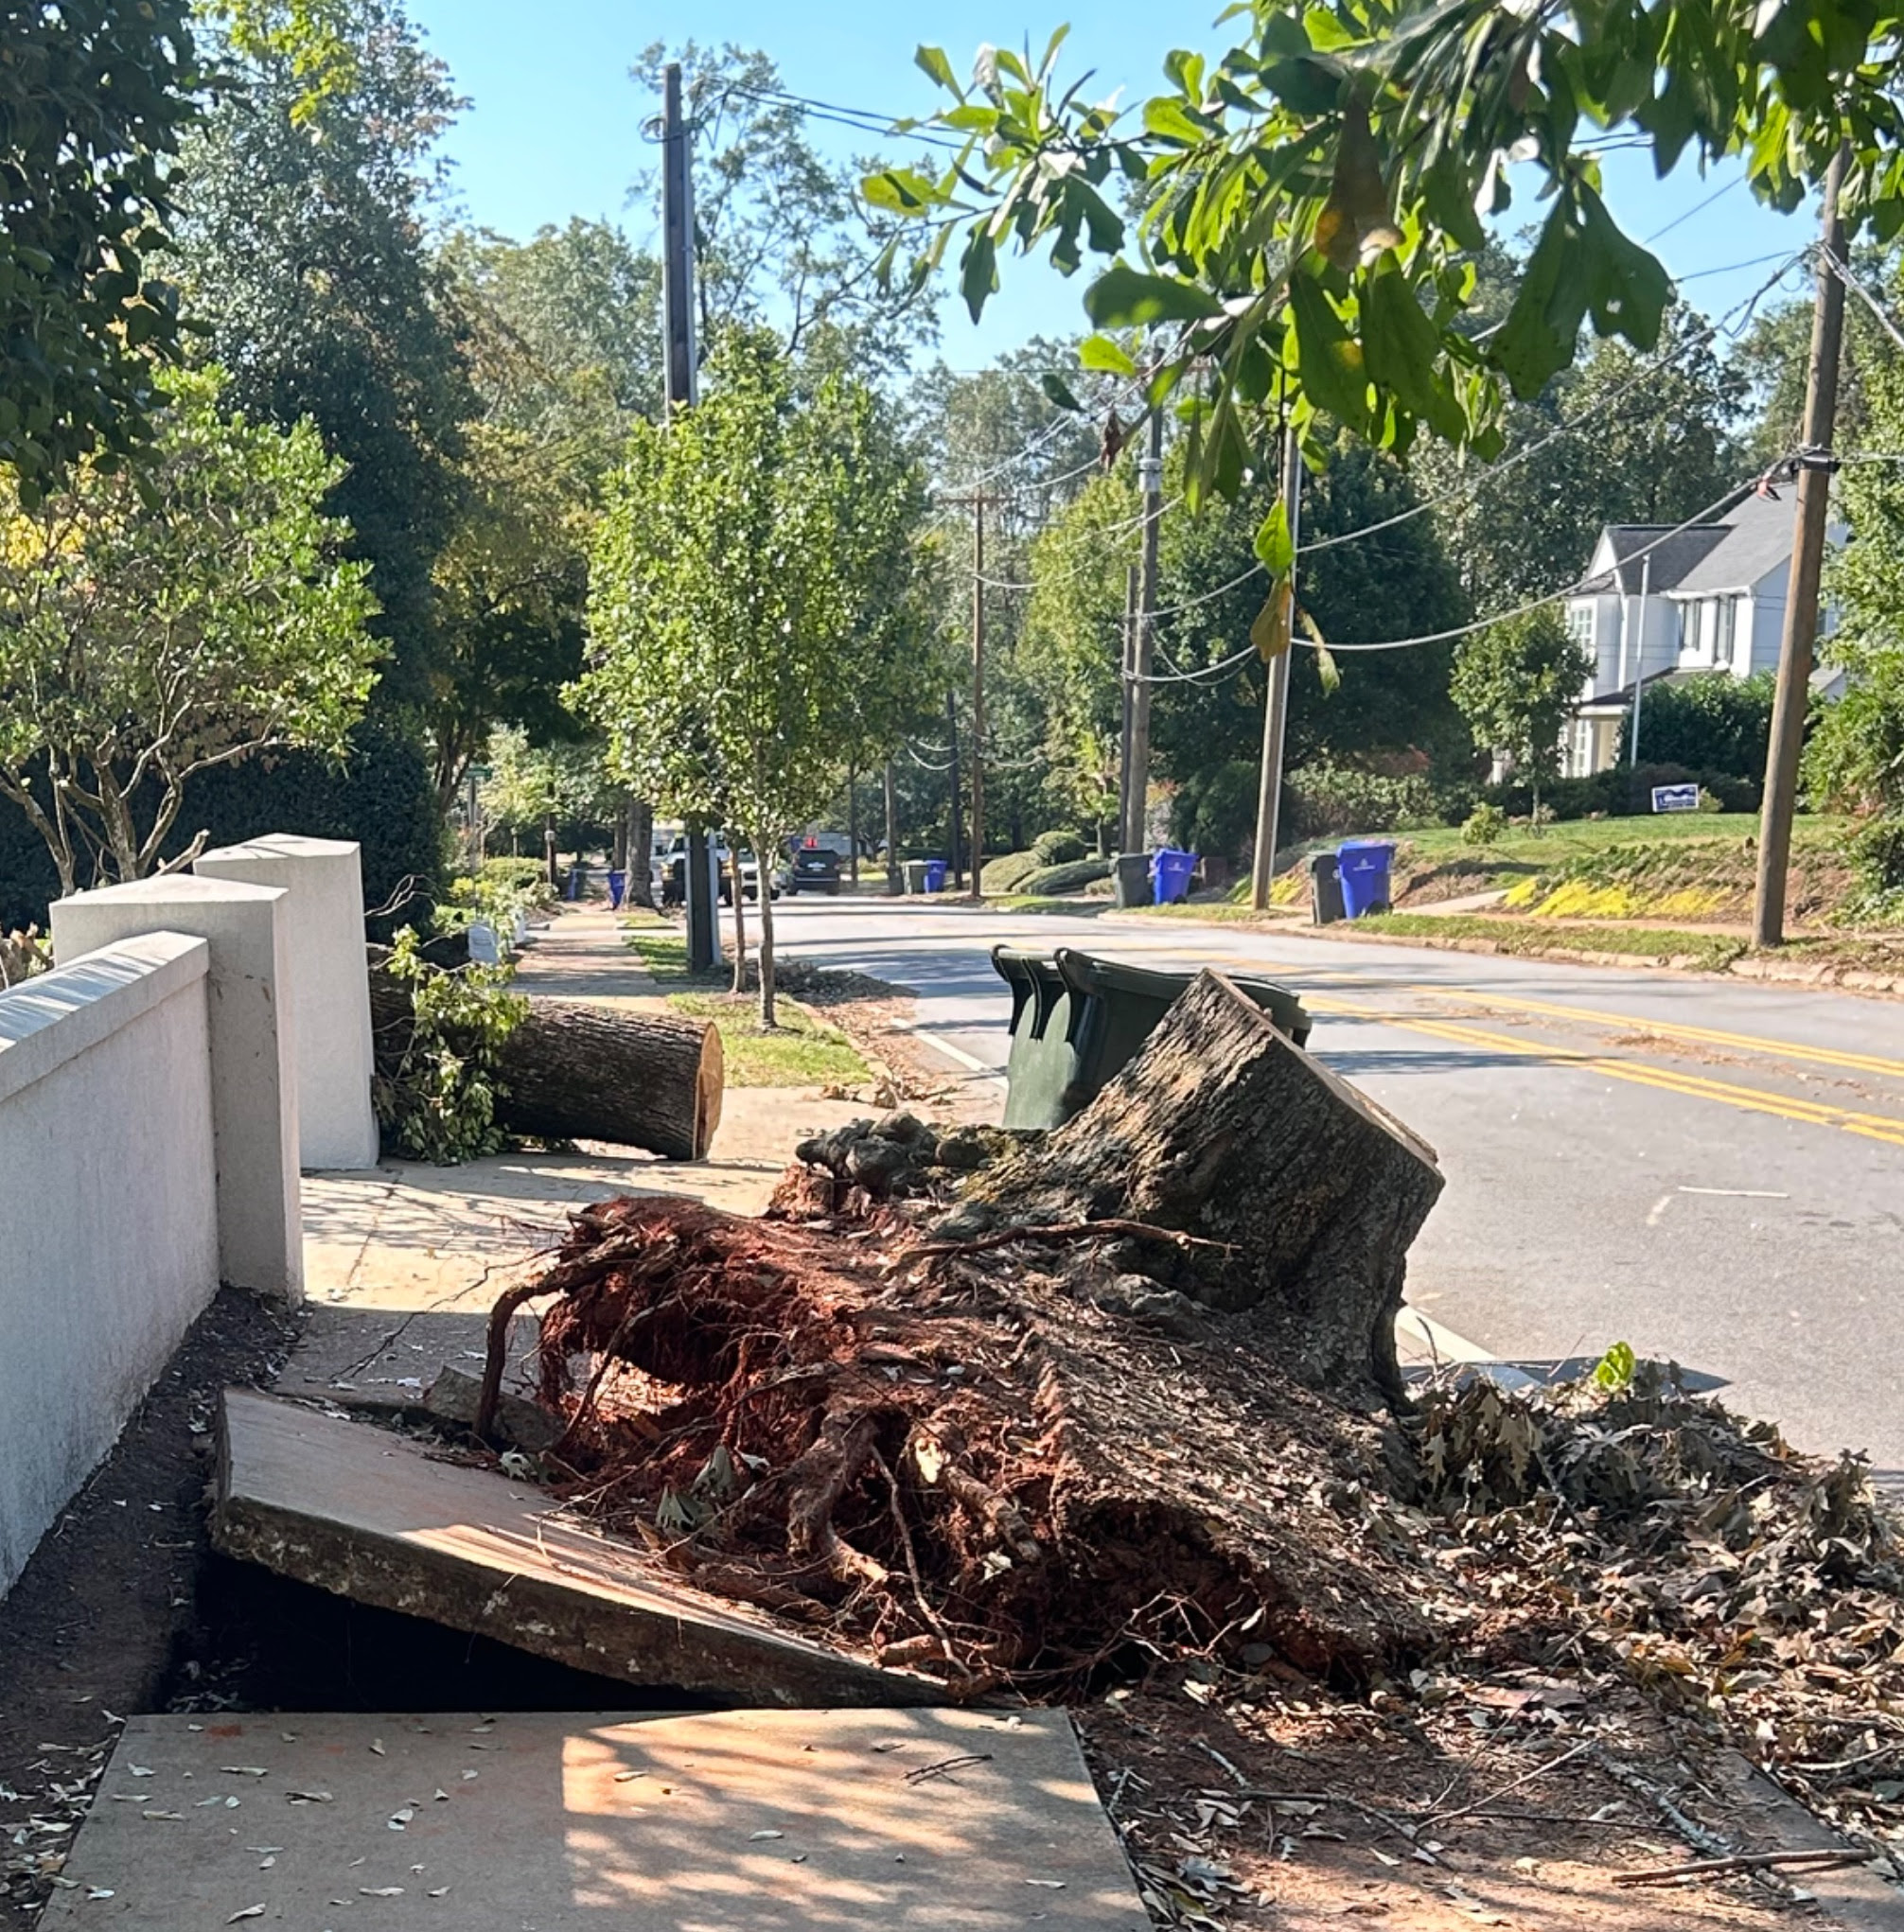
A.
pixel 102 1621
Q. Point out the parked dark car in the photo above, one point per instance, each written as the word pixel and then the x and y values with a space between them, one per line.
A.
pixel 812 868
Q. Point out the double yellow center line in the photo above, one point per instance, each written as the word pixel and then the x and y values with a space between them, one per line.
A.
pixel 1880 1127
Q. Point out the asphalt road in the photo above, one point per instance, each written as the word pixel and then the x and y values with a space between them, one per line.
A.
pixel 1710 1170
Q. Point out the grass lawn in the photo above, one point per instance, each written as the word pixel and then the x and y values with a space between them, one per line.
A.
pixel 802 1052
pixel 1706 949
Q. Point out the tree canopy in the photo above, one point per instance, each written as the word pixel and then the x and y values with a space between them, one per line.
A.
pixel 156 627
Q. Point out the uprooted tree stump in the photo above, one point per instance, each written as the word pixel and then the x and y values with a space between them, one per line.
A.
pixel 574 1071
pixel 1302 1195
pixel 992 1447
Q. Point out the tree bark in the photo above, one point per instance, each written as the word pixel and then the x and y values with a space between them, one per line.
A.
pixel 576 1071
pixel 739 922
pixel 769 1016
pixel 894 880
pixel 641 847
pixel 1221 1129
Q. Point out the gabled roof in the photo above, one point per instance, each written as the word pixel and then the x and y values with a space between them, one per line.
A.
pixel 1669 553
pixel 1757 539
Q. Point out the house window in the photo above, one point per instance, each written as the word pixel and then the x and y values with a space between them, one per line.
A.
pixel 1725 614
pixel 1581 624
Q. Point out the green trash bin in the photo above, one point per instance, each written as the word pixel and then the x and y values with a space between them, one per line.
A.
pixel 1078 1020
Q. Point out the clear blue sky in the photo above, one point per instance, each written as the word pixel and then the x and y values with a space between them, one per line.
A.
pixel 554 127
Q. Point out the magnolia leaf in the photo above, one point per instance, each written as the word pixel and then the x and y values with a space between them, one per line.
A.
pixel 1058 393
pixel 1104 352
pixel 899 190
pixel 1355 223
pixel 932 61
pixel 1122 297
pixel 1327 669
pixel 1270 632
pixel 1275 550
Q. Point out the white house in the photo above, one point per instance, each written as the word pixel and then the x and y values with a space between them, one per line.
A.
pixel 1661 602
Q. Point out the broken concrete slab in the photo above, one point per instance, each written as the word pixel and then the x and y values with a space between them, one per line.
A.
pixel 367 1514
pixel 935 1821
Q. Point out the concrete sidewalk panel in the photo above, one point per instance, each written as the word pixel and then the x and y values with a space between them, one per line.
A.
pixel 367 1514
pixel 933 1820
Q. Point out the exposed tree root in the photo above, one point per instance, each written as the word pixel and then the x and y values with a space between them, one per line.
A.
pixel 968 1468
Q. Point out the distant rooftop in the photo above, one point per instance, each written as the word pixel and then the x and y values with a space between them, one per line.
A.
pixel 1750 541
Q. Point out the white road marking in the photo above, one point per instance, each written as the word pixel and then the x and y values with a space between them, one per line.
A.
pixel 957 1053
pixel 1739 1193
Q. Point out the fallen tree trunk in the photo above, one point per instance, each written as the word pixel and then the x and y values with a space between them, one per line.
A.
pixel 1303 1195
pixel 574 1071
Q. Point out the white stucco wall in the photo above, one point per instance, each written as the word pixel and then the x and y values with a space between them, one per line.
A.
pixel 322 882
pixel 108 1211
pixel 253 1066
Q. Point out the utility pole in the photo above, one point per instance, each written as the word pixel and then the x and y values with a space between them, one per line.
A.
pixel 1137 767
pixel 1275 700
pixel 1127 671
pixel 1808 560
pixel 979 502
pixel 952 824
pixel 682 390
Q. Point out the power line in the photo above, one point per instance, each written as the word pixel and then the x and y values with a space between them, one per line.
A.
pixel 1697 208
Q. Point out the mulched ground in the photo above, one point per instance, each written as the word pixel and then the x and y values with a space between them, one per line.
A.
pixel 90 1632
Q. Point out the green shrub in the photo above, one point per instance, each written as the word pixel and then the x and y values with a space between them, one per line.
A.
pixel 1483 825
pixel 1050 881
pixel 1214 811
pixel 530 876
pixel 1059 848
pixel 1323 800
pixel 1006 874
pixel 438 1102
pixel 1716 723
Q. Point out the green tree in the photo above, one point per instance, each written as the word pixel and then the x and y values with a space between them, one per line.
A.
pixel 94 96
pixel 303 251
pixel 1311 203
pixel 1385 709
pixel 731 576
pixel 156 630
pixel 1658 445
pixel 1516 682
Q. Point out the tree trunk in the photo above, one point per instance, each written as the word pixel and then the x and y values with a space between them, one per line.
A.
pixel 618 851
pixel 852 819
pixel 574 1071
pixel 641 847
pixel 739 923
pixel 1221 1129
pixel 768 1017
pixel 895 879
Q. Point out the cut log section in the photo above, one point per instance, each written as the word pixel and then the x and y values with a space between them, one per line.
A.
pixel 576 1071
pixel 1220 1128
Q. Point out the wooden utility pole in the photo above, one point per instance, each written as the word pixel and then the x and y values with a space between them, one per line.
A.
pixel 979 502
pixel 1808 561
pixel 1127 684
pixel 682 390
pixel 1137 764
pixel 954 821
pixel 1275 700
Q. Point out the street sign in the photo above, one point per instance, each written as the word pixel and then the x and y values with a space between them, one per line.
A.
pixel 1675 798
pixel 481 773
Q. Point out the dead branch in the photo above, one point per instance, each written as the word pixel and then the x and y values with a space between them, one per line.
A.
pixel 1824 1859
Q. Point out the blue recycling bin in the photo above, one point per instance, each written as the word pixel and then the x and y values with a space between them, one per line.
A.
pixel 618 883
pixel 935 875
pixel 1361 863
pixel 1170 873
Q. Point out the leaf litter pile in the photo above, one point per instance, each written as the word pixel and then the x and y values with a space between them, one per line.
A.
pixel 1006 1468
